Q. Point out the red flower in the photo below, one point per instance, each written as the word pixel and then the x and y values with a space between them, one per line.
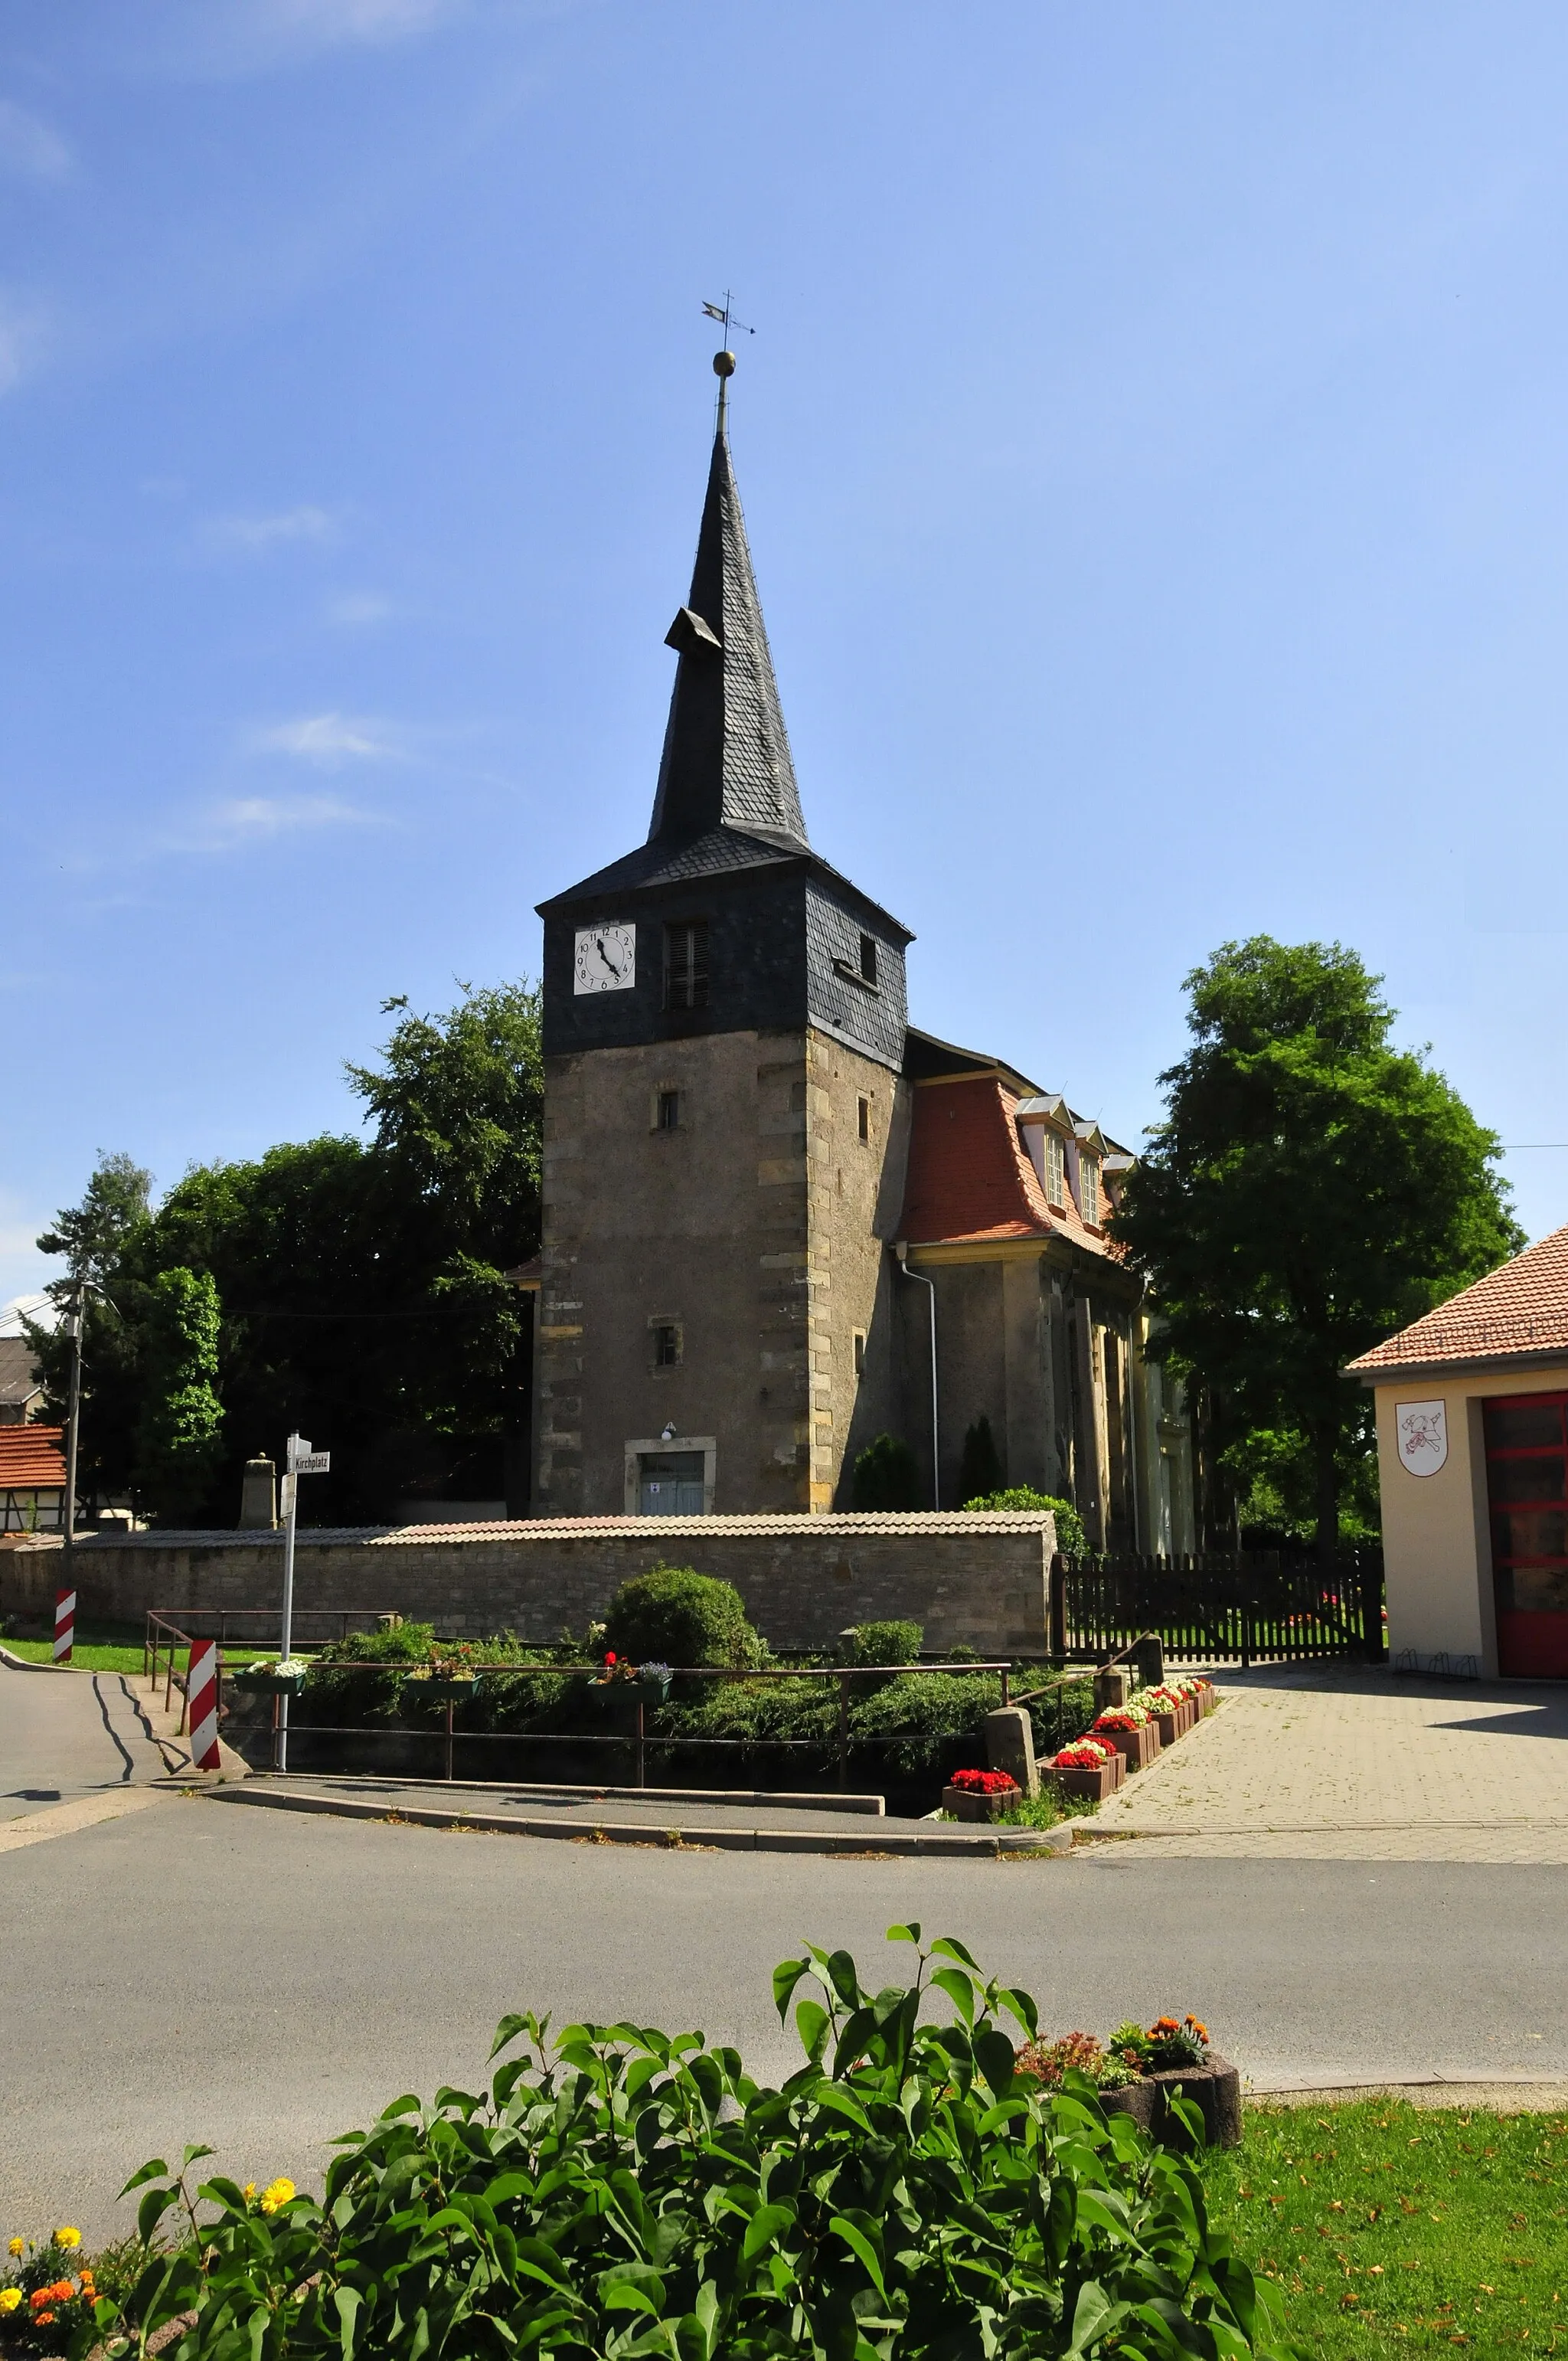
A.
pixel 609 1656
pixel 983 1783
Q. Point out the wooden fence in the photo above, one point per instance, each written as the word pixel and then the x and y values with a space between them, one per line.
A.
pixel 1226 1608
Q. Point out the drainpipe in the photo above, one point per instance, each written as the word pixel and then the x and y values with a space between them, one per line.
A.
pixel 901 1250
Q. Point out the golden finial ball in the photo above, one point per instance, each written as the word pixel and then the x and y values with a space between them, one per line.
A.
pixel 723 364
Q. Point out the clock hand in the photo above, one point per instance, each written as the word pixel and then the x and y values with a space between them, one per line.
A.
pixel 599 946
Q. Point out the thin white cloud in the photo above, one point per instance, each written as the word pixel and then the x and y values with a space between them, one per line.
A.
pixel 23 336
pixel 30 148
pixel 357 608
pixel 238 36
pixel 329 739
pixel 260 820
pixel 306 523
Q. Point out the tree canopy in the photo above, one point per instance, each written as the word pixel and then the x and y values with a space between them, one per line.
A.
pixel 360 1288
pixel 1311 1189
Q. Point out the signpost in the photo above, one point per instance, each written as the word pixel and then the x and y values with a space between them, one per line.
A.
pixel 301 1461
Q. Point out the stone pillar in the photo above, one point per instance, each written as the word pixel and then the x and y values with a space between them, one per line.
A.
pixel 1010 1746
pixel 258 1496
pixel 1114 1686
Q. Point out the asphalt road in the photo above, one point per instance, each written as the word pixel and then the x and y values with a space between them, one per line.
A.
pixel 69 1734
pixel 261 1981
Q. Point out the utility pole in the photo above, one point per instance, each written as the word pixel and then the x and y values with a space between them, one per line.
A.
pixel 301 1461
pixel 74 1323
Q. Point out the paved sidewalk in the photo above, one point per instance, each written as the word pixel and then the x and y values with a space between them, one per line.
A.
pixel 1348 1762
pixel 66 1734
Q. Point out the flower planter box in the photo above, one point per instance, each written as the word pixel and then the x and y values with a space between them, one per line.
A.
pixel 1137 1747
pixel 1206 1699
pixel 1170 1726
pixel 462 1687
pixel 1215 2088
pixel 965 1805
pixel 1095 1781
pixel 653 1692
pixel 267 1684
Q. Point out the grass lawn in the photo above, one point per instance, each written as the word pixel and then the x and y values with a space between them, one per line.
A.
pixel 1398 2229
pixel 120 1655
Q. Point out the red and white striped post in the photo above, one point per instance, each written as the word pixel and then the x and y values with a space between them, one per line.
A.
pixel 202 1705
pixel 64 1625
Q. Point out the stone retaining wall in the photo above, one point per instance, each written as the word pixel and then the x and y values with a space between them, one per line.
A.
pixel 978 1581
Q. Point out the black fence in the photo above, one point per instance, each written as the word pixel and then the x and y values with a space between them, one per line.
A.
pixel 1226 1608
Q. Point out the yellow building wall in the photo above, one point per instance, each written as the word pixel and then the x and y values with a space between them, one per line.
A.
pixel 1437 1551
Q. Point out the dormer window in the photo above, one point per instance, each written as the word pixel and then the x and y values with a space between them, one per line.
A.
pixel 1088 1189
pixel 1056 1168
pixel 868 958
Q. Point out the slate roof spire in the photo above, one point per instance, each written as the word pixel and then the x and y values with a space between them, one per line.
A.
pixel 726 761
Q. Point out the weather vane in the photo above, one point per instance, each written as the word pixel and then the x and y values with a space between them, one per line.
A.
pixel 722 312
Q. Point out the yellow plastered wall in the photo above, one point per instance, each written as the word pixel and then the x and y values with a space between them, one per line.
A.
pixel 1436 1551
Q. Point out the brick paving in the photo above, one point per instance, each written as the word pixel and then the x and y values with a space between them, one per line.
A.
pixel 1347 1763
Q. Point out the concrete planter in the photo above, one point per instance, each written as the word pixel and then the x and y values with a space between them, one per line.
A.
pixel 1170 1726
pixel 1096 1783
pixel 965 1805
pixel 1206 1699
pixel 1137 1747
pixel 1214 2087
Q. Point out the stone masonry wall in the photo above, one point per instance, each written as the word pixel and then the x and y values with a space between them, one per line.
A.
pixel 975 1581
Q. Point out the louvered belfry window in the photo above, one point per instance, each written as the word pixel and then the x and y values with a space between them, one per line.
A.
pixel 686 963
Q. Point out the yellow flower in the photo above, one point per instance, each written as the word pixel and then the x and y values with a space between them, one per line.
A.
pixel 10 2298
pixel 17 2246
pixel 68 2237
pixel 249 2190
pixel 276 2193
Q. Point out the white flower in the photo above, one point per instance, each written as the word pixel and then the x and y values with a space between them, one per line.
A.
pixel 292 1665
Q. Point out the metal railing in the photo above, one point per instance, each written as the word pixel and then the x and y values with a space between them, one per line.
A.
pixel 163 1639
pixel 638 1738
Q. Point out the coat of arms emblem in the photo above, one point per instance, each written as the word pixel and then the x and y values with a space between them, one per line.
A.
pixel 1422 1428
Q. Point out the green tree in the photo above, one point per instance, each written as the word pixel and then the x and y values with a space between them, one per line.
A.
pixel 887 1475
pixel 979 1463
pixel 363 1285
pixel 179 1438
pixel 1310 1189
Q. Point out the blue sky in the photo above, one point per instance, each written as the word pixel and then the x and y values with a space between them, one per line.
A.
pixel 1154 456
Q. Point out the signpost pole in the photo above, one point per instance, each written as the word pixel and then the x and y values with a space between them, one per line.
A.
pixel 296 1448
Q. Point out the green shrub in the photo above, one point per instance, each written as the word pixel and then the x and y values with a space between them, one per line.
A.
pixel 675 1615
pixel 887 1477
pixel 1071 1536
pixel 907 2195
pixel 980 1464
pixel 882 1643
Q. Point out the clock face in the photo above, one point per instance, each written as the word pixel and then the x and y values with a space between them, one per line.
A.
pixel 606 958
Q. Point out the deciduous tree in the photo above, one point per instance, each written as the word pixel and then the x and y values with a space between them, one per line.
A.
pixel 1311 1189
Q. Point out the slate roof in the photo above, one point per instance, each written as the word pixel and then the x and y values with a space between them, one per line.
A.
pixel 19 1379
pixel 32 1456
pixel 725 759
pixel 1518 1312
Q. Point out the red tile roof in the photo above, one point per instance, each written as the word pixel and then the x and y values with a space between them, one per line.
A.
pixel 30 1456
pixel 1521 1308
pixel 970 1177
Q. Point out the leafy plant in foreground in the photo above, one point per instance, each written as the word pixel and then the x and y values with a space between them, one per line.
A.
pixel 622 2192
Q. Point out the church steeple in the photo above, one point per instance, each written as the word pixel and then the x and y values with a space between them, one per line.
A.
pixel 726 761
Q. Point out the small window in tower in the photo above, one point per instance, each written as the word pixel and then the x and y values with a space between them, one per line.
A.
pixel 686 963
pixel 860 1352
pixel 667 1116
pixel 865 1118
pixel 666 1345
pixel 868 958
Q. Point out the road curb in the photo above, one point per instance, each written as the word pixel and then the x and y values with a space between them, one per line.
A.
pixel 989 1845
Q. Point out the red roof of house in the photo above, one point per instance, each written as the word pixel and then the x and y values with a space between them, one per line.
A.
pixel 30 1456
pixel 1519 1309
pixel 970 1177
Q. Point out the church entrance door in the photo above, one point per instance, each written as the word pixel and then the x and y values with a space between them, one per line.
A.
pixel 671 1483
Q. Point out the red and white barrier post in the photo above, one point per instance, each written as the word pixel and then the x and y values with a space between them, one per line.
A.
pixel 202 1705
pixel 64 1625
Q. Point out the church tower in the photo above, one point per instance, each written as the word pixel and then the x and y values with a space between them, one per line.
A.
pixel 726 1124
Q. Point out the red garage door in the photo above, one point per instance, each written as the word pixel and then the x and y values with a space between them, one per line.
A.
pixel 1527 1484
